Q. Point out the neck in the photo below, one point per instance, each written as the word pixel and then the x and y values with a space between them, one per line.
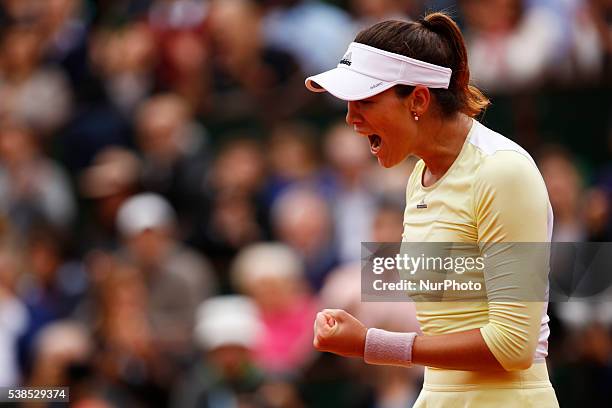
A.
pixel 444 142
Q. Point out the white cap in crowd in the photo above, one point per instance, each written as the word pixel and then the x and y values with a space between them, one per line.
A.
pixel 265 260
pixel 144 211
pixel 64 338
pixel 231 320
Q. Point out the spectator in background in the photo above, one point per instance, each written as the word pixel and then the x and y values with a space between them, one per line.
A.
pixel 65 37
pixel 33 188
pixel 272 275
pixel 295 25
pixel 302 219
pixel 107 183
pixel 227 329
pixel 64 352
pixel 565 191
pixel 124 59
pixel 239 167
pixel 251 79
pixel 118 78
pixel 182 38
pixel 131 358
pixel 174 156
pixel 237 217
pixel 186 71
pixel 147 224
pixel 294 159
pixel 35 94
pixel 59 347
pixel 352 202
pixel 51 287
pixel 511 43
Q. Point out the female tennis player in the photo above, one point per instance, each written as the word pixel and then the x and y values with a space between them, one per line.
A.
pixel 408 92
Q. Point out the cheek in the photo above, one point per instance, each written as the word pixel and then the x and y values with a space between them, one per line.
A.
pixel 394 120
pixel 398 137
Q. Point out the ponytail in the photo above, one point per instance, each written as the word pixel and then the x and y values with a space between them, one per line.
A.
pixel 474 101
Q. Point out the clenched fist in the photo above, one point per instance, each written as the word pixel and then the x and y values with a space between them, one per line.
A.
pixel 336 331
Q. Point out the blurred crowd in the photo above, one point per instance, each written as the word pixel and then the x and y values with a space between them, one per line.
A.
pixel 175 207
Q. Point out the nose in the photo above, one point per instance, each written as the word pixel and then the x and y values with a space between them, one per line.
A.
pixel 352 114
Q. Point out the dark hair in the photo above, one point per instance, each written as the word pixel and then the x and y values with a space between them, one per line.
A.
pixel 436 39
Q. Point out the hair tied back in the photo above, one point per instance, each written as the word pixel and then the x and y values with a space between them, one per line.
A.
pixel 426 24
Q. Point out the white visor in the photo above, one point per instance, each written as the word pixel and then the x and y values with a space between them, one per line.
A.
pixel 365 71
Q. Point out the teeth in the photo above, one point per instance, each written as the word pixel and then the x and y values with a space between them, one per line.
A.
pixel 375 143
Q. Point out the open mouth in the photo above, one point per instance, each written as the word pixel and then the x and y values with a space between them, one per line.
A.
pixel 375 142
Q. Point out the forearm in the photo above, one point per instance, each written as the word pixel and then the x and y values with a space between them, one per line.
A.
pixel 465 350
pixel 507 342
pixel 338 332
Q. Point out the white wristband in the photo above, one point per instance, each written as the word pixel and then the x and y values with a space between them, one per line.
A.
pixel 388 348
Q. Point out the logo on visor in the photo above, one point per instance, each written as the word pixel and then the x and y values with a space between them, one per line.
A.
pixel 346 60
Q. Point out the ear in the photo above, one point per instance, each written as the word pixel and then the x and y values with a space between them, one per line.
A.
pixel 419 100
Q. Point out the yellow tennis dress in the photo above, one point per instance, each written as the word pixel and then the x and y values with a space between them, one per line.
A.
pixel 492 193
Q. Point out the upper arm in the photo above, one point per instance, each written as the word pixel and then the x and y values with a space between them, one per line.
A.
pixel 511 202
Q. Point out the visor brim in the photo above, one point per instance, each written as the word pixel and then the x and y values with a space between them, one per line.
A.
pixel 346 84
